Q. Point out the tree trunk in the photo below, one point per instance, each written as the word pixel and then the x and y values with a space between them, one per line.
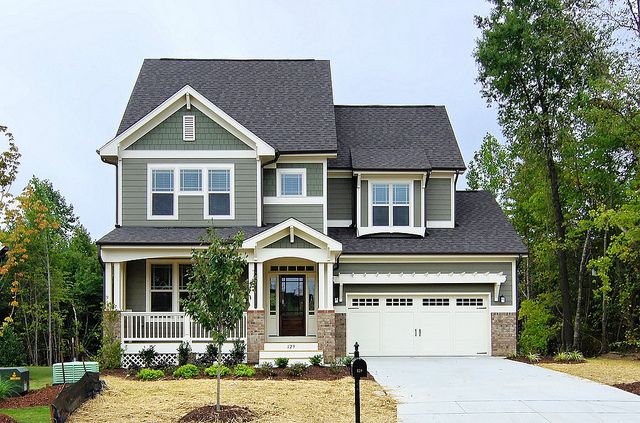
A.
pixel 604 344
pixel 581 271
pixel 219 371
pixel 561 253
pixel 50 351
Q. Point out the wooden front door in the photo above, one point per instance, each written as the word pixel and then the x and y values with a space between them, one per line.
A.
pixel 292 306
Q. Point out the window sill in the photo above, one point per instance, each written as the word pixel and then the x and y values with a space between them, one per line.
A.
pixel 409 230
pixel 294 200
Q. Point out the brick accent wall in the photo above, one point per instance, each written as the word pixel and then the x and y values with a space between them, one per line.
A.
pixel 255 334
pixel 341 334
pixel 503 334
pixel 327 334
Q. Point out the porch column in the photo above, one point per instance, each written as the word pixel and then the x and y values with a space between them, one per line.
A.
pixel 252 293
pixel 260 286
pixel 329 286
pixel 322 296
pixel 326 331
pixel 117 286
pixel 108 285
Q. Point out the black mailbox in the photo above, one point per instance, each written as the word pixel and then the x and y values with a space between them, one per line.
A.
pixel 359 368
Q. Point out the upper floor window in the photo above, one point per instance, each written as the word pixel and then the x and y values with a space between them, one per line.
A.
pixel 292 182
pixel 190 180
pixel 162 194
pixel 390 204
pixel 188 128
pixel 219 196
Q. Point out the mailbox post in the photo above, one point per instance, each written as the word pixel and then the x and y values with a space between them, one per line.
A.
pixel 358 370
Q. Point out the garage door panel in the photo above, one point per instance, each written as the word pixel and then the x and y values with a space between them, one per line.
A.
pixel 363 326
pixel 436 331
pixel 470 332
pixel 397 333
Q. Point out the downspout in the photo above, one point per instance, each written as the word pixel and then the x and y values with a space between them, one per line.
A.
pixel 424 202
pixel 275 159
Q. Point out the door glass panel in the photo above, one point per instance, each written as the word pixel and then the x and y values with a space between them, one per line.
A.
pixel 292 305
pixel 312 294
pixel 272 296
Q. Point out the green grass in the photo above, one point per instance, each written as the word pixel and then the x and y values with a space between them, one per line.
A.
pixel 40 376
pixel 29 415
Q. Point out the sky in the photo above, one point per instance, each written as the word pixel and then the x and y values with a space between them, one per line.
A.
pixel 67 69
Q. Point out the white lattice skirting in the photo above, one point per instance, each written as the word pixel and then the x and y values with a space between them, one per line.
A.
pixel 128 360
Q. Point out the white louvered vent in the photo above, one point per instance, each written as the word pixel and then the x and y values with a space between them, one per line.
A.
pixel 189 128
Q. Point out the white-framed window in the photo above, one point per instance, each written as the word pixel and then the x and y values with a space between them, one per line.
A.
pixel 162 194
pixel 184 272
pixel 161 291
pixel 188 128
pixel 391 204
pixel 291 182
pixel 219 193
pixel 190 180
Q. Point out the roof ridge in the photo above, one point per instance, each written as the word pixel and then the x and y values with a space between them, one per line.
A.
pixel 235 60
pixel 390 106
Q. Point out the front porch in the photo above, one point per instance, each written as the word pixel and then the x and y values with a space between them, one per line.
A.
pixel 289 314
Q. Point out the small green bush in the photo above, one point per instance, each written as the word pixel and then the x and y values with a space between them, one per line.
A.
pixel 242 370
pixel 237 353
pixel 296 369
pixel 148 356
pixel 336 366
pixel 12 349
pixel 281 362
pixel 574 356
pixel 7 389
pixel 184 352
pixel 537 327
pixel 187 371
pixel 150 374
pixel 316 360
pixel 346 361
pixel 266 369
pixel 533 357
pixel 110 352
pixel 213 370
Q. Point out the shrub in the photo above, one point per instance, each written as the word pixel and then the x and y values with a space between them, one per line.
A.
pixel 296 369
pixel 574 356
pixel 210 355
pixel 7 388
pixel 186 371
pixel 213 370
pixel 336 366
pixel 242 370
pixel 537 329
pixel 184 351
pixel 266 369
pixel 281 362
pixel 346 361
pixel 237 353
pixel 110 352
pixel 316 360
pixel 12 349
pixel 533 357
pixel 133 369
pixel 150 374
pixel 148 356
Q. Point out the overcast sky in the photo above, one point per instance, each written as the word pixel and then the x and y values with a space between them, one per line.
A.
pixel 67 69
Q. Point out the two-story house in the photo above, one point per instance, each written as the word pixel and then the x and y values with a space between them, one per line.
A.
pixel 353 226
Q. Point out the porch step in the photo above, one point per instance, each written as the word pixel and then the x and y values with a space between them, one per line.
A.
pixel 290 346
pixel 268 355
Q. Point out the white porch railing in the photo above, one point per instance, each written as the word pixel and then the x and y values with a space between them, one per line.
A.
pixel 169 327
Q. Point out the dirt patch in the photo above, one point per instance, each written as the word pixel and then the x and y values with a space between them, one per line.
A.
pixel 633 387
pixel 544 360
pixel 227 413
pixel 7 419
pixel 42 396
pixel 604 370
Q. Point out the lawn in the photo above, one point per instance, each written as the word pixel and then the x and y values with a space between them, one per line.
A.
pixel 272 400
pixel 40 376
pixel 609 371
pixel 30 414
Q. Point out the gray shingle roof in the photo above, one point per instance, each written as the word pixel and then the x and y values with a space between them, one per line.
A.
pixel 287 103
pixel 363 158
pixel 144 235
pixel 481 228
pixel 396 130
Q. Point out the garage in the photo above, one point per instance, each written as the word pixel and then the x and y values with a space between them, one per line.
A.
pixel 422 325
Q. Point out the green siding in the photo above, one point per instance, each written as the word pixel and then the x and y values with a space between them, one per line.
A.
pixel 310 214
pixel 340 198
pixel 136 299
pixel 480 267
pixel 417 203
pixel 439 199
pixel 364 203
pixel 168 135
pixel 314 178
pixel 298 242
pixel 190 208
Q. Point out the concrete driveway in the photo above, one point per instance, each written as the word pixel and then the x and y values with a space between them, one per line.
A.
pixel 484 389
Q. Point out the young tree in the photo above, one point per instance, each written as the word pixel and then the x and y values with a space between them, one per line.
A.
pixel 538 61
pixel 218 291
pixel 492 168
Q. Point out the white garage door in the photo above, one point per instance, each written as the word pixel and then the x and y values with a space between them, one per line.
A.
pixel 418 324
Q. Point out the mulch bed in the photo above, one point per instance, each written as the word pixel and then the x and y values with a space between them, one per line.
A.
pixel 633 387
pixel 548 359
pixel 7 419
pixel 227 413
pixel 42 396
